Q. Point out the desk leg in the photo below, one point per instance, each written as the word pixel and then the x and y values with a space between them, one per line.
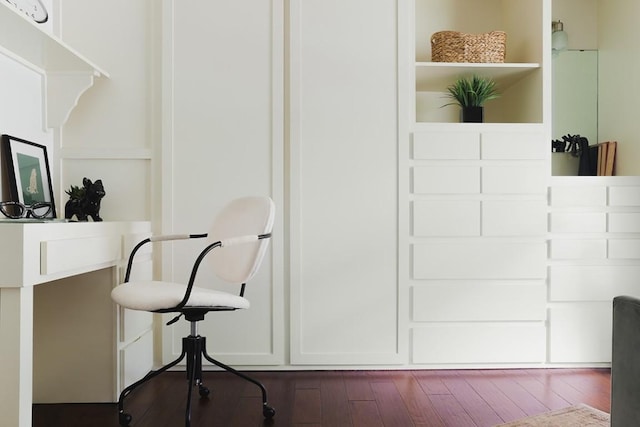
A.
pixel 16 355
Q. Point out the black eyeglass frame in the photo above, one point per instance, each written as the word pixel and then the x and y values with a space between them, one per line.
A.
pixel 26 211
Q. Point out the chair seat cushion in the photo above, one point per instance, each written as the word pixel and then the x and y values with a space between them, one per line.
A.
pixel 157 295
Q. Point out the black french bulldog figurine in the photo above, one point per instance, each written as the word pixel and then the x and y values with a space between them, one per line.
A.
pixel 85 202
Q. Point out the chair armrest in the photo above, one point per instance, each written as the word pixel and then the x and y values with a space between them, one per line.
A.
pixel 230 241
pixel 166 237
pixel 238 240
pixel 158 238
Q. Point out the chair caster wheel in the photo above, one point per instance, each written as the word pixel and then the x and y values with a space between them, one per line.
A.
pixel 204 391
pixel 268 412
pixel 124 419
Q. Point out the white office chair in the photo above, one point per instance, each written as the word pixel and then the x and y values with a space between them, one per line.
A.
pixel 238 241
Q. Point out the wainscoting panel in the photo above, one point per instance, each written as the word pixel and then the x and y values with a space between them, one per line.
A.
pixel 592 282
pixel 580 333
pixel 594 256
pixel 456 343
pixel 578 222
pixel 512 146
pixel 578 249
pixel 508 300
pixel 624 249
pixel 623 222
pixel 522 179
pixel 571 196
pixel 624 196
pixel 446 180
pixel 514 217
pixel 446 146
pixel 446 218
pixel 482 259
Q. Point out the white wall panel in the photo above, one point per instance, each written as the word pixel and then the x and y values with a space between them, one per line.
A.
pixel 514 179
pixel 513 146
pixel 514 218
pixel 578 222
pixel 479 301
pixel 446 180
pixel 446 218
pixel 223 138
pixel 446 145
pixel 624 248
pixel 624 196
pixel 479 259
pixel 344 180
pixel 580 333
pixel 592 282
pixel 578 248
pixel 624 222
pixel 479 343
pixel 577 196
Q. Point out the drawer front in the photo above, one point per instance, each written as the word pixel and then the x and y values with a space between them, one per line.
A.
pixel 136 360
pixel 58 256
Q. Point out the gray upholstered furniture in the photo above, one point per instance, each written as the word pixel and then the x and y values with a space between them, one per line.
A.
pixel 625 362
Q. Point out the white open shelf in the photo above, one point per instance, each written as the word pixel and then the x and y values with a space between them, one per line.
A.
pixel 67 73
pixel 436 76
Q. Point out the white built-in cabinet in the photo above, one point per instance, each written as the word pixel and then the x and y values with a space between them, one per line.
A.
pixel 404 238
pixel 344 294
pixel 594 252
pixel 476 194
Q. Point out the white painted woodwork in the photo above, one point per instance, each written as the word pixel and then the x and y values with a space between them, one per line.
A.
pixel 479 301
pixel 446 218
pixel 479 343
pixel 344 288
pixel 136 359
pixel 479 259
pixel 67 73
pixel 514 217
pixel 578 222
pixel 446 145
pixel 624 196
pixel 64 255
pixel 446 180
pixel 577 249
pixel 44 314
pixel 513 146
pixel 523 179
pixel 580 333
pixel 223 137
pixel 592 282
pixel 624 222
pixel 624 249
pixel 578 196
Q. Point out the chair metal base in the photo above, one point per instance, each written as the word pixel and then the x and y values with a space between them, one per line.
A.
pixel 193 348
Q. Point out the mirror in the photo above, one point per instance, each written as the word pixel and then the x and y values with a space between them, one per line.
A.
pixel 575 103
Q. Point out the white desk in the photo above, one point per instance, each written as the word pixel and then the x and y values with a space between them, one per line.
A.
pixel 45 253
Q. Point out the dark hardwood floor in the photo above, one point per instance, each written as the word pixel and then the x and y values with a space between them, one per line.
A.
pixel 435 398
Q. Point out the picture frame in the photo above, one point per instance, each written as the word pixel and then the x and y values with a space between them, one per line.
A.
pixel 28 172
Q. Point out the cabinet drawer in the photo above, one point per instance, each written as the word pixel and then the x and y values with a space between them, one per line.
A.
pixel 57 256
pixel 136 360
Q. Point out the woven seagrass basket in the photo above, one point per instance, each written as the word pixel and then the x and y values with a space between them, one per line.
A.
pixel 454 46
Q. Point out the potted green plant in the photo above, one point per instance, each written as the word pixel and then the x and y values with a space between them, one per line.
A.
pixel 471 93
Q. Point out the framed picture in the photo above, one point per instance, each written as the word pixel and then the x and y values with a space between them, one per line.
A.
pixel 28 172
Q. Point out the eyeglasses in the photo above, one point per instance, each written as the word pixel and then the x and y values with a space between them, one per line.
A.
pixel 15 210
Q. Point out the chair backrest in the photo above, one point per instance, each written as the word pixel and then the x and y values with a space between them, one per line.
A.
pixel 241 217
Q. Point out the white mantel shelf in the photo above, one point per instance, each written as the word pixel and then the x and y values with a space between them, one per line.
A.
pixel 67 74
